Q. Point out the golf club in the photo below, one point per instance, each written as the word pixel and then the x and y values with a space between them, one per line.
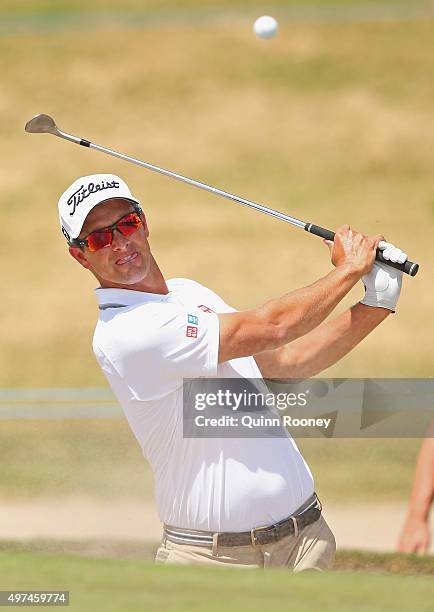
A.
pixel 42 123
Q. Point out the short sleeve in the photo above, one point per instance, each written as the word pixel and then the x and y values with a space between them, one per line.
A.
pixel 154 347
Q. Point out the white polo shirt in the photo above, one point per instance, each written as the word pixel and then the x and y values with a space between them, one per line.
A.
pixel 146 344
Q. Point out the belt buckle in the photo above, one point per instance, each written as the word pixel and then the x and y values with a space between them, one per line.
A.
pixel 271 528
pixel 253 534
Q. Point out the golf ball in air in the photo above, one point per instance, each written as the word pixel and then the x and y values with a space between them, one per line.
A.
pixel 265 26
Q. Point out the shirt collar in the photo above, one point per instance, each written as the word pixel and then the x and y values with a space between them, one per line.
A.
pixel 119 298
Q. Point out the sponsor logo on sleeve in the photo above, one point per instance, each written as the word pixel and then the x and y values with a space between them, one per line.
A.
pixel 191 331
pixel 205 308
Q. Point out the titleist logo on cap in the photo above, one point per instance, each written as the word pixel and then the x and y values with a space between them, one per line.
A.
pixel 84 192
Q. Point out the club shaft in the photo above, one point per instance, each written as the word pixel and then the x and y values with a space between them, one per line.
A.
pixel 179 177
pixel 408 267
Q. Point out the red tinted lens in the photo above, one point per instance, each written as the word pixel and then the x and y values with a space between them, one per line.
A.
pixel 100 239
pixel 129 224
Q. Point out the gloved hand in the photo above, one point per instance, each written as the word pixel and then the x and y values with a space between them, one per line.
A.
pixel 383 283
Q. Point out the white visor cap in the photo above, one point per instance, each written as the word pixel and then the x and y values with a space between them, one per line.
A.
pixel 84 194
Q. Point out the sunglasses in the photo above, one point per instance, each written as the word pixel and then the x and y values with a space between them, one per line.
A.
pixel 102 238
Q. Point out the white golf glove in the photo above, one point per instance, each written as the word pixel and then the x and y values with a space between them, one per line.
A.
pixel 383 283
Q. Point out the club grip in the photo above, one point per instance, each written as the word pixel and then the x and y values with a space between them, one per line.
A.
pixel 408 267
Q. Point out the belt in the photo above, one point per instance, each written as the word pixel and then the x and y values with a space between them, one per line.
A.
pixel 308 513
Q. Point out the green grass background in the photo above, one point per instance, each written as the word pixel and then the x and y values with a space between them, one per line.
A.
pixel 331 122
pixel 108 584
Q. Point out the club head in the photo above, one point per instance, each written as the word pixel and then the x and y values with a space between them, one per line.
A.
pixel 41 124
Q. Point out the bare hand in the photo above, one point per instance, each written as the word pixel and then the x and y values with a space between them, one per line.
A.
pixel 354 249
pixel 414 537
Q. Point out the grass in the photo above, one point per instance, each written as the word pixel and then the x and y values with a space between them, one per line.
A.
pixel 329 122
pixel 111 584
pixel 97 458
pixel 101 458
pixel 404 564
pixel 346 560
pixel 52 6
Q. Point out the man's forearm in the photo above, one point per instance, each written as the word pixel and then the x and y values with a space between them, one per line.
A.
pixel 284 319
pixel 322 347
pixel 300 311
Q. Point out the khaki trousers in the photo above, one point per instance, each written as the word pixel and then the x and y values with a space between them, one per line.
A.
pixel 313 549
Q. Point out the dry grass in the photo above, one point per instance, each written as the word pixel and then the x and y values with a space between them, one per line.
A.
pixel 329 122
pixel 101 458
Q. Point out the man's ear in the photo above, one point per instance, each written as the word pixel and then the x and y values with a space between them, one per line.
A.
pixel 79 256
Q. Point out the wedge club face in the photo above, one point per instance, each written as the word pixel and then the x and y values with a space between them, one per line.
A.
pixel 41 124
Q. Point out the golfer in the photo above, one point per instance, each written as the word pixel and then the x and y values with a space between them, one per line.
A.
pixel 241 502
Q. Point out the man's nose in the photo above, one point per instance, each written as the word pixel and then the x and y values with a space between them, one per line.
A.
pixel 120 242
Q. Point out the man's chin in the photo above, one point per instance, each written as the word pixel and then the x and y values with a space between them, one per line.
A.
pixel 122 280
pixel 134 279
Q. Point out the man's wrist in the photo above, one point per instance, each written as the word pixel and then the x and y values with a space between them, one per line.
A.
pixel 349 271
pixel 378 304
pixel 375 311
pixel 419 509
pixel 417 516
